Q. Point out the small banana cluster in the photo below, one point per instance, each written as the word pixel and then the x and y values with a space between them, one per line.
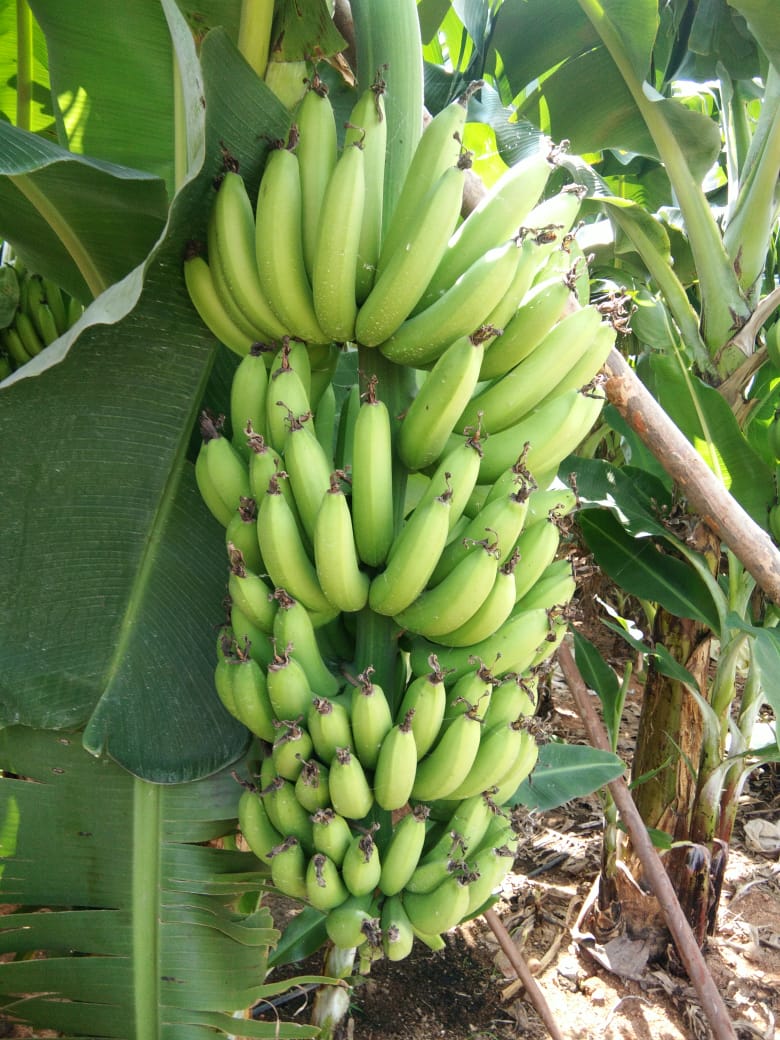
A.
pixel 37 313
pixel 462 565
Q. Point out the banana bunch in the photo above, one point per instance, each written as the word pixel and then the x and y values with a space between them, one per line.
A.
pixel 387 809
pixel 34 311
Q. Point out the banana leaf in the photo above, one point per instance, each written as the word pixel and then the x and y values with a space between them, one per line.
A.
pixel 126 919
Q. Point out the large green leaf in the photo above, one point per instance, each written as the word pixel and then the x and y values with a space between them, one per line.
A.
pixel 564 772
pixel 116 566
pixel 761 16
pixel 40 116
pixel 142 936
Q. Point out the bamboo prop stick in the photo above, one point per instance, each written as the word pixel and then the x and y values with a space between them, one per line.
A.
pixel 523 973
pixel 687 947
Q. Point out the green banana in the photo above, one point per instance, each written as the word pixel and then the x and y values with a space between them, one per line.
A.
pixel 511 699
pixel 460 311
pixel 53 296
pixel 412 558
pixel 367 124
pixel 335 554
pixel 471 693
pixel 44 323
pixel 438 911
pixel 324 886
pixel 447 764
pixel 292 626
pixel 537 546
pixel 317 153
pixel 206 300
pixel 497 217
pixel 402 279
pixel 288 686
pixel 465 829
pixel 338 246
pixel 287 396
pixel 250 593
pixel 491 867
pixel 396 765
pixel 457 472
pixel 328 723
pixel 371 719
pixel 554 587
pixel 350 792
pixel 221 474
pixel 425 696
pixel 442 397
pixel 264 463
pixel 331 834
pixel 585 370
pixel 284 552
pixel 403 851
pixel 288 868
pixel 498 750
pixel 285 812
pixel 353 922
pixel 14 347
pixel 444 607
pixel 28 334
pixel 232 254
pixel 361 868
pixel 438 148
pixel 248 393
pixel 308 470
pixel 259 833
pixel 311 787
pixel 257 642
pixel 492 612
pixel 372 480
pixel 397 930
pixel 279 246
pixel 514 395
pixel 510 649
pixel 289 750
pixel 241 533
pixel 345 431
pixel 505 788
pixel 538 311
pixel 325 407
pixel 250 696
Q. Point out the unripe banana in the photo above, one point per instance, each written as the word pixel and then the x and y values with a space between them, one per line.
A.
pixel 338 246
pixel 448 763
pixel 232 253
pixel 335 553
pixel 350 792
pixel 536 314
pixel 412 558
pixel 514 395
pixel 287 395
pixel 293 626
pixel 264 463
pixel 220 472
pixel 328 723
pixel 510 700
pixel 259 833
pixel 279 246
pixel 250 594
pixel 426 697
pixel 490 867
pixel 537 546
pixel 522 767
pixel 372 480
pixel 402 279
pixel 206 300
pixel 367 124
pixel 403 851
pixel 325 408
pixel 438 911
pixel 288 685
pixel 308 470
pixel 361 868
pixel 331 834
pixel 590 363
pixel 291 746
pixel 465 829
pixel 438 148
pixel 345 432
pixel 53 296
pixel 44 322
pixel 442 397
pixel 241 533
pixel 491 614
pixel 257 642
pixel 286 814
pixel 471 693
pixel 443 607
pixel 457 471
pixel 324 887
pixel 371 719
pixel 250 696
pixel 288 868
pixel 353 922
pixel 397 930
pixel 497 217
pixel 311 787
pixel 28 334
pixel 284 552
pixel 554 587
pixel 498 751
pixel 317 153
pixel 12 343
pixel 460 311
pixel 396 766
pixel 248 398
pixel 511 649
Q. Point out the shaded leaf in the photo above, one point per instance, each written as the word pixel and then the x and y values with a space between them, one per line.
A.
pixel 305 32
pixel 564 772
pixel 761 17
pixel 600 678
